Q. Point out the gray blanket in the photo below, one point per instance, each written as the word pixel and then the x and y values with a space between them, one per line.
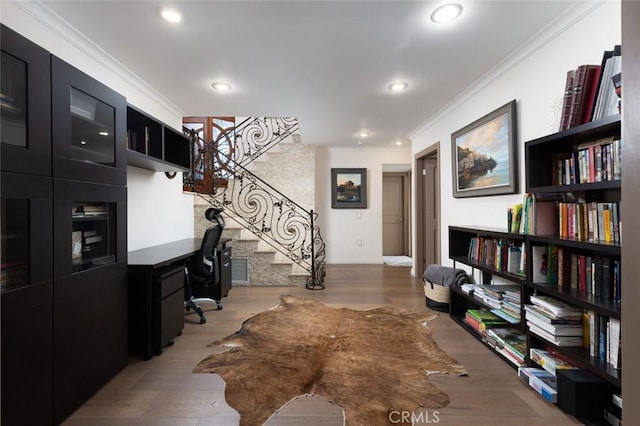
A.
pixel 444 275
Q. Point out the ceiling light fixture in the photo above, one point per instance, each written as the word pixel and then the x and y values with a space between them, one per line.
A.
pixel 103 133
pixel 398 87
pixel 399 143
pixel 221 86
pixel 446 13
pixel 171 15
pixel 363 134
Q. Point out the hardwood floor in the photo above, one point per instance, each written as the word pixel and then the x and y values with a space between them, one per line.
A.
pixel 163 391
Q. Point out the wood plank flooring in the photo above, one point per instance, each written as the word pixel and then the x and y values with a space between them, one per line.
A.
pixel 164 391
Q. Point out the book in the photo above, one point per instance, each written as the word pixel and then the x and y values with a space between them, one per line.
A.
pixel 548 361
pixel 545 216
pixel 606 102
pixel 567 100
pixel 513 258
pixel 556 340
pixel 614 342
pixel 554 306
pixel 583 80
pixel 511 338
pixel 540 263
pixel 543 315
pixel 555 329
pixel 541 380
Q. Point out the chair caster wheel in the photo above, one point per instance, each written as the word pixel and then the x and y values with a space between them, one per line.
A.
pixel 219 308
pixel 203 320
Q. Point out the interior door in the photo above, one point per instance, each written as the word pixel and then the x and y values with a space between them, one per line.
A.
pixel 392 215
pixel 430 208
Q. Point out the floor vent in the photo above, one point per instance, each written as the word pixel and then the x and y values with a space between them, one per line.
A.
pixel 239 269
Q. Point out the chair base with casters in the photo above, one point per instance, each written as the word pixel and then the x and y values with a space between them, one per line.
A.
pixel 192 302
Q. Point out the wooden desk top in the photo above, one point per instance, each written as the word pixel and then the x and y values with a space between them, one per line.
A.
pixel 165 254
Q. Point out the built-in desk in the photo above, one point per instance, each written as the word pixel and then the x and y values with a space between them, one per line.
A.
pixel 156 293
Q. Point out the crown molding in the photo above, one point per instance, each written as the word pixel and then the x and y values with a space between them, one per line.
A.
pixel 52 22
pixel 578 11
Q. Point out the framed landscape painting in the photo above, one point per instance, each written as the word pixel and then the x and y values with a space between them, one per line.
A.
pixel 349 188
pixel 484 155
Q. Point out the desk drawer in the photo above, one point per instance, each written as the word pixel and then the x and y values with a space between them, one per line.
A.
pixel 171 280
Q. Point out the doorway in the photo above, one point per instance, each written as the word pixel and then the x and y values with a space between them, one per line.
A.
pixel 396 193
pixel 427 182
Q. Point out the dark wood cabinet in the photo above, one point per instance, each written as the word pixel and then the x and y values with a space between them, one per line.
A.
pixel 25 106
pixel 90 290
pixel 27 294
pixel 224 257
pixel 64 242
pixel 89 127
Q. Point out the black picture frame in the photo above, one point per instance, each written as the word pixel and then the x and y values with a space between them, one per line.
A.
pixel 484 155
pixel 349 188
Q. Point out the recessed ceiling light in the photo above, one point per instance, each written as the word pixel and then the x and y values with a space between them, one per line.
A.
pixel 363 134
pixel 103 133
pixel 398 87
pixel 171 15
pixel 398 143
pixel 446 13
pixel 83 142
pixel 221 86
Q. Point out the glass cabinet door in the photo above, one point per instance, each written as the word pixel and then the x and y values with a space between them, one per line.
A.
pixel 88 127
pixel 93 235
pixel 92 129
pixel 25 105
pixel 25 231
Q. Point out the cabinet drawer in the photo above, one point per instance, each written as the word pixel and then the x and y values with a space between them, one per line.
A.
pixel 171 280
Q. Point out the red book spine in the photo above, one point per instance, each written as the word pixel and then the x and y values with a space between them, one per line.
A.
pixel 593 77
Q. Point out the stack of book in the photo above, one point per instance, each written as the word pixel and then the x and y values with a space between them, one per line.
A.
pixel 504 299
pixel 481 320
pixel 509 342
pixel 555 321
pixel 542 381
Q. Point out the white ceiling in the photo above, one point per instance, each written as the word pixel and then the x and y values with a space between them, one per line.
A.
pixel 326 62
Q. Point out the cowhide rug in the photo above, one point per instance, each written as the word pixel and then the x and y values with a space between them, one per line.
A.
pixel 370 363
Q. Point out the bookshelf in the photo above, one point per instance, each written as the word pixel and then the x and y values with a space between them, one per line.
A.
pixel 154 146
pixel 598 293
pixel 582 268
pixel 485 250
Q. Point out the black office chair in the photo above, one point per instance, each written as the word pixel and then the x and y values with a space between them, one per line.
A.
pixel 202 271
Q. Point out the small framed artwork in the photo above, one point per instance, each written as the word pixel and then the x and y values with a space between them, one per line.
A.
pixel 484 155
pixel 349 188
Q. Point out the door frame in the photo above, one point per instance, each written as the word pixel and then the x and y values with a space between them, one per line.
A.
pixel 428 152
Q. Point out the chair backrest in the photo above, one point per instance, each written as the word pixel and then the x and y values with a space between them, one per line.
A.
pixel 204 263
pixel 210 242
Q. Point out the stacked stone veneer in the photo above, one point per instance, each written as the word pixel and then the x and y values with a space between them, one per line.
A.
pixel 289 168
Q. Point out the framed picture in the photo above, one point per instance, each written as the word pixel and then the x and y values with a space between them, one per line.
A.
pixel 349 188
pixel 484 155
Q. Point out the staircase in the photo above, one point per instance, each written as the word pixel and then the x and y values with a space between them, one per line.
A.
pixel 274 239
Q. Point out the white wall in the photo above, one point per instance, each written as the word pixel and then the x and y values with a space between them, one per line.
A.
pixel 157 209
pixel 342 228
pixel 536 79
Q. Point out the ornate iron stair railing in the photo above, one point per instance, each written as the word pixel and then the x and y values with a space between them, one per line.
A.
pixel 267 213
pixel 257 135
